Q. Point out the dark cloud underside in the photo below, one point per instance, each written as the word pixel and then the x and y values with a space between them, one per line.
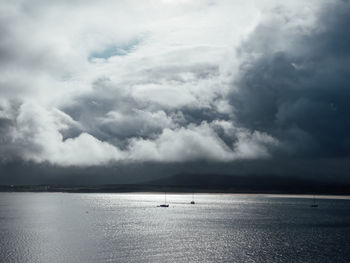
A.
pixel 198 87
pixel 300 94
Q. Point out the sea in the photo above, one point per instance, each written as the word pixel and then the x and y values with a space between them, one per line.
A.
pixel 129 227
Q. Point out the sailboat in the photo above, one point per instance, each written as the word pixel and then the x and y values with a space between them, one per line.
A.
pixel 314 203
pixel 165 204
pixel 192 202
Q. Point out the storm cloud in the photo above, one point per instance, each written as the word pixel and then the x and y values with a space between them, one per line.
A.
pixel 294 84
pixel 88 84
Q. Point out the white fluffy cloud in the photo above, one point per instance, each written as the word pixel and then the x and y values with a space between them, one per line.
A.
pixel 203 143
pixel 38 134
pixel 88 83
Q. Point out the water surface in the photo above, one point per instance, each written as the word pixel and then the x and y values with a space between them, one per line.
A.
pixel 61 227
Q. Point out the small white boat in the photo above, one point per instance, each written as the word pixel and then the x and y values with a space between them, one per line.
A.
pixel 192 202
pixel 165 204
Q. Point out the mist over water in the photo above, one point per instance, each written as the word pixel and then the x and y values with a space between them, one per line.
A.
pixel 59 227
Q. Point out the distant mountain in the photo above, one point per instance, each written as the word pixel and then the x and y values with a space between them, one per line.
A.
pixel 227 180
pixel 205 183
pixel 250 183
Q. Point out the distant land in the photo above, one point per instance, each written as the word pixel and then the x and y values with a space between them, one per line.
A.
pixel 201 183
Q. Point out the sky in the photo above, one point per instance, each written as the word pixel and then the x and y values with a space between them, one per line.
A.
pixel 120 91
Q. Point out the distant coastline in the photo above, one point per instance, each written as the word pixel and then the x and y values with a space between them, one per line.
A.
pixel 136 188
pixel 201 183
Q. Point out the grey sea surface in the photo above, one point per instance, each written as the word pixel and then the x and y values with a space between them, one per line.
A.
pixel 62 227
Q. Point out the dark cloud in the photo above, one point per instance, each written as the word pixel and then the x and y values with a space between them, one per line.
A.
pixel 76 96
pixel 299 91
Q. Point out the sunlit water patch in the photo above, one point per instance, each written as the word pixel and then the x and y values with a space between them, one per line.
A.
pixel 59 227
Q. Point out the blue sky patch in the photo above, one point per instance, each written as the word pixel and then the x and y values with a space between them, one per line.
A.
pixel 114 50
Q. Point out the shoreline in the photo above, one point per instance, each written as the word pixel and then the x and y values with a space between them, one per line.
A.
pixel 343 196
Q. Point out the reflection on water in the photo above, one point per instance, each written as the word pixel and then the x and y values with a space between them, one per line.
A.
pixel 59 227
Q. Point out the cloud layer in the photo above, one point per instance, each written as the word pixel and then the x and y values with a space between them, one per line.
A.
pixel 87 83
pixel 295 84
